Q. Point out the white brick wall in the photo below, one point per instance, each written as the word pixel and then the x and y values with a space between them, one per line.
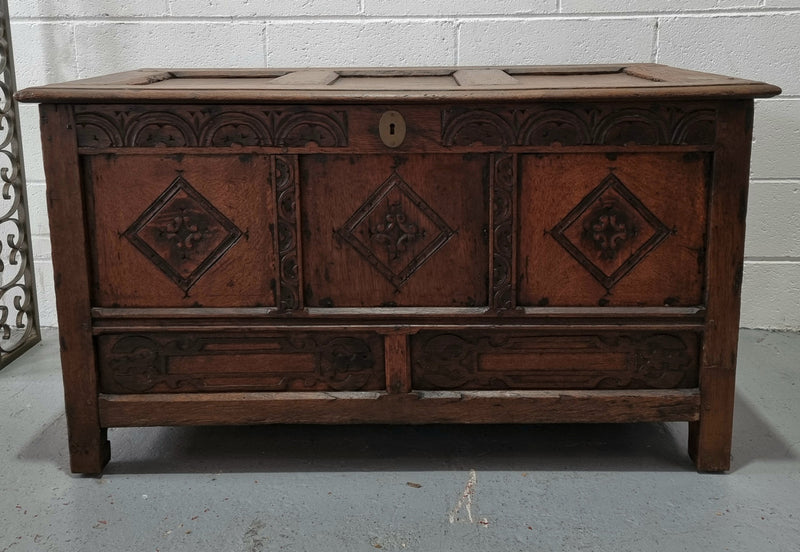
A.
pixel 360 42
pixel 108 47
pixel 64 39
pixel 552 40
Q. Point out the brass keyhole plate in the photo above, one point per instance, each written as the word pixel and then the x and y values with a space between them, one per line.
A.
pixel 392 128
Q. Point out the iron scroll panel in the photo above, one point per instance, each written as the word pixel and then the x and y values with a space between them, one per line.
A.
pixel 19 326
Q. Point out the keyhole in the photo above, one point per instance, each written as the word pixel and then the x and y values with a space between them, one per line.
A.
pixel 392 128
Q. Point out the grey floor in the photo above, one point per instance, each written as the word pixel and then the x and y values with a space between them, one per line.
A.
pixel 436 488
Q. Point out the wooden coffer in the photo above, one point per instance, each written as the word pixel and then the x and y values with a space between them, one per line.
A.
pixel 472 245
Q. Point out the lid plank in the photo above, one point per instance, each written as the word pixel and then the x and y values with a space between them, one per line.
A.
pixel 484 77
pixel 307 77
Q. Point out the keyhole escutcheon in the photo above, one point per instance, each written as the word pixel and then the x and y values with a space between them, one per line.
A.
pixel 392 128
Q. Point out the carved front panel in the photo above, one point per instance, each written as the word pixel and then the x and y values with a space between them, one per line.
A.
pixel 520 360
pixel 612 230
pixel 296 361
pixel 180 231
pixel 183 233
pixel 395 231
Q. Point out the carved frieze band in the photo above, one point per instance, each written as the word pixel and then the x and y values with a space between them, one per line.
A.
pixel 520 361
pixel 503 190
pixel 190 362
pixel 213 126
pixel 578 125
pixel 285 178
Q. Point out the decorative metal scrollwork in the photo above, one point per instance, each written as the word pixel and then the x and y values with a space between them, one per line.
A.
pixel 19 327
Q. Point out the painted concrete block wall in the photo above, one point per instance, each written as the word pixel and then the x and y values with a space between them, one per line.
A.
pixel 760 39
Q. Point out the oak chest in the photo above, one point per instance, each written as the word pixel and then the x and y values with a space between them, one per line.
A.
pixel 476 245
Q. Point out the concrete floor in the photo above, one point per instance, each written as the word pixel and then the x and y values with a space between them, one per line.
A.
pixel 436 488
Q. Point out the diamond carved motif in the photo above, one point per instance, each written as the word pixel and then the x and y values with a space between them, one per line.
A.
pixel 183 234
pixel 610 231
pixel 395 230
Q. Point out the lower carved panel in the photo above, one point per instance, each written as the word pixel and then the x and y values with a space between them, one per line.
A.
pixel 300 361
pixel 475 360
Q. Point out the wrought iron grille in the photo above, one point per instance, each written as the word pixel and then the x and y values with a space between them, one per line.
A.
pixel 19 327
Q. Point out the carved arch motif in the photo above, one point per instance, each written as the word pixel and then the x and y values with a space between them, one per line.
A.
pixel 99 130
pixel 695 127
pixel 631 126
pixel 299 129
pixel 159 128
pixel 477 126
pixel 243 129
pixel 555 126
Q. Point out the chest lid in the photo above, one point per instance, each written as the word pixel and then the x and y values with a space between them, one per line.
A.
pixel 566 82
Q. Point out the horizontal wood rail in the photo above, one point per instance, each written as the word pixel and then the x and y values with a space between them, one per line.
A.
pixel 417 407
